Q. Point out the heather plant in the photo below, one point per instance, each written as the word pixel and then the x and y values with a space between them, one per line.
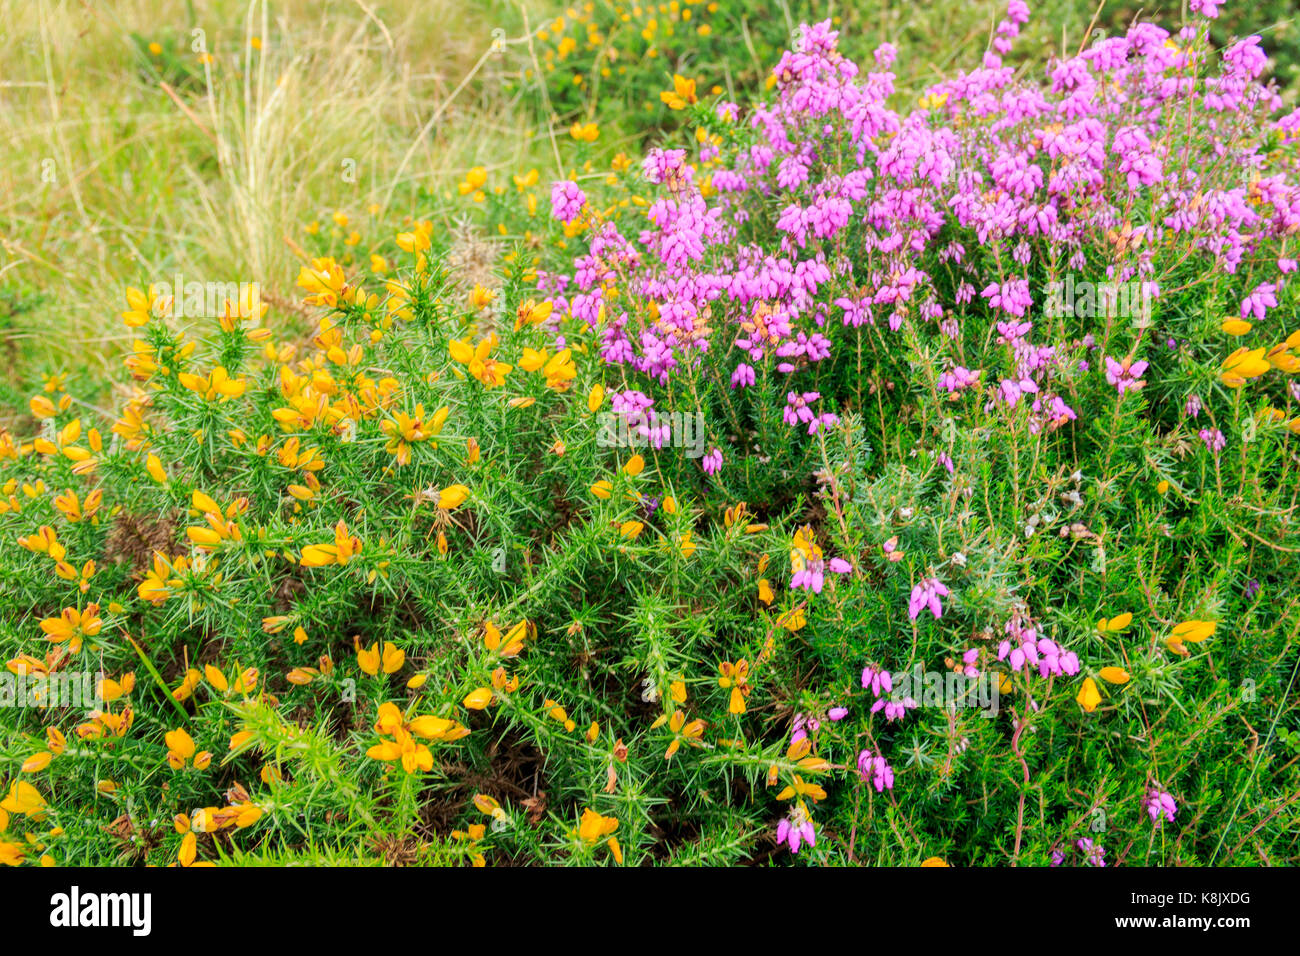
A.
pixel 848 483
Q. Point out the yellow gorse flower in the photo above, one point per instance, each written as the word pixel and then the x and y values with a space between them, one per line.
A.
pixel 181 748
pixel 683 731
pixel 72 626
pixel 594 827
pixel 474 180
pixel 23 799
pixel 418 239
pixel 801 788
pixel 1116 624
pixel 481 297
pixel 736 678
pixel 804 550
pixel 405 746
pixel 1241 365
pixel 560 370
pixel 372 660
pixel 44 541
pixel 1089 696
pixel 512 642
pixel 324 282
pixel 164 578
pixel 1189 632
pixel 142 306
pixel 478 360
pixel 449 498
pixel 1280 357
pixel 217 385
pixel 220 524
pixel 243 680
pixel 343 550
pixel 681 95
pixel 532 312
pixel 405 430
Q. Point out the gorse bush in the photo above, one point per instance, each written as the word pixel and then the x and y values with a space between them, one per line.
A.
pixel 849 485
pixel 613 60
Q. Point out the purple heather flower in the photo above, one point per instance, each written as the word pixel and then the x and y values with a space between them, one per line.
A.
pixel 810 577
pixel 796 829
pixel 1214 440
pixel 926 594
pixel 920 190
pixel 1054 659
pixel 665 165
pixel 1011 391
pixel 957 378
pixel 875 768
pixel 1125 375
pixel 894 709
pixel 1095 853
pixel 1260 300
pixel 876 680
pixel 968 661
pixel 1025 646
pixel 567 200
pixel 1160 805
pixel 824 420
pixel 796 407
pixel 798 728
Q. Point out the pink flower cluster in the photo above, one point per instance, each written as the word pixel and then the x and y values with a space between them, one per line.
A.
pixel 1125 375
pixel 1024 646
pixel 798 410
pixel 567 200
pixel 812 577
pixel 875 768
pixel 881 684
pixel 926 594
pixel 796 830
pixel 1160 806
